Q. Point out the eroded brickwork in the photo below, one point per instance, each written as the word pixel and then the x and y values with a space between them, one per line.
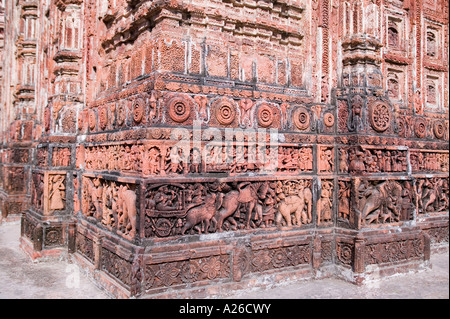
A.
pixel 196 144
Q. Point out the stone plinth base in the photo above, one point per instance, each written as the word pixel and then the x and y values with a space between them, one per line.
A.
pixel 43 238
pixel 218 264
pixel 37 256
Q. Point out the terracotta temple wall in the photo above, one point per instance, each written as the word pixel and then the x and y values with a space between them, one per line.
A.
pixel 179 148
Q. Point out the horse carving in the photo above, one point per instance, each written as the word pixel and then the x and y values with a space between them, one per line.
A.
pixel 249 194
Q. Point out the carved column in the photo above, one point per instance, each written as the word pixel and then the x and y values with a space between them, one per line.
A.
pixel 376 172
pixel 18 107
pixel 60 97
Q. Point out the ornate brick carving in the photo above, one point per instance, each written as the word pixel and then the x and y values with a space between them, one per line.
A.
pixel 155 125
pixel 380 116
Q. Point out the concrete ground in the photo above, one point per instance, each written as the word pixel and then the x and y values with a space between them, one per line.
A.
pixel 20 278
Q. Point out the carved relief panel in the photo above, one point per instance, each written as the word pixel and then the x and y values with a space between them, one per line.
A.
pixel 189 208
pixel 395 32
pixel 325 206
pixel 432 195
pixel 326 160
pixel 433 91
pixel 249 155
pixel 61 156
pixel 15 179
pixel 381 202
pixel 369 159
pixel 393 251
pixel 55 191
pixel 37 191
pixel 112 204
pixel 429 161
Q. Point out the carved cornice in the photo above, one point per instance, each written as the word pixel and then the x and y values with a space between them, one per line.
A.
pixel 28 4
pixel 361 42
pixel 67 56
pixel 397 59
pixel 25 92
pixel 435 67
pixel 62 4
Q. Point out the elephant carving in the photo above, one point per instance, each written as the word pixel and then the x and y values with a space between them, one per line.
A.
pixel 126 204
pixel 300 204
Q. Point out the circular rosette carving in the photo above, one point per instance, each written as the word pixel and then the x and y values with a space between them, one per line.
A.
pixel 102 117
pixel 52 237
pixel 212 267
pixel 345 253
pixel 189 272
pixel 301 118
pixel 225 111
pixel 420 127
pixel 265 115
pixel 163 226
pixel 157 133
pixel 179 108
pixel 138 110
pixel 439 129
pixel 328 119
pixel 380 116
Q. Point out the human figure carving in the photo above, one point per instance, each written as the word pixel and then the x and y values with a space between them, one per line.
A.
pixel 343 160
pixel 324 205
pixel 56 197
pixel 344 201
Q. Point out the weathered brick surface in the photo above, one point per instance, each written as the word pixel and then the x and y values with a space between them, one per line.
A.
pixel 199 144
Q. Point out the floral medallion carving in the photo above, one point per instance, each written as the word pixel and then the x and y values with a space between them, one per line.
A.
pixel 345 253
pixel 53 237
pixel 301 118
pixel 225 111
pixel 138 110
pixel 420 127
pixel 439 129
pixel 179 108
pixel 328 119
pixel 380 116
pixel 265 115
